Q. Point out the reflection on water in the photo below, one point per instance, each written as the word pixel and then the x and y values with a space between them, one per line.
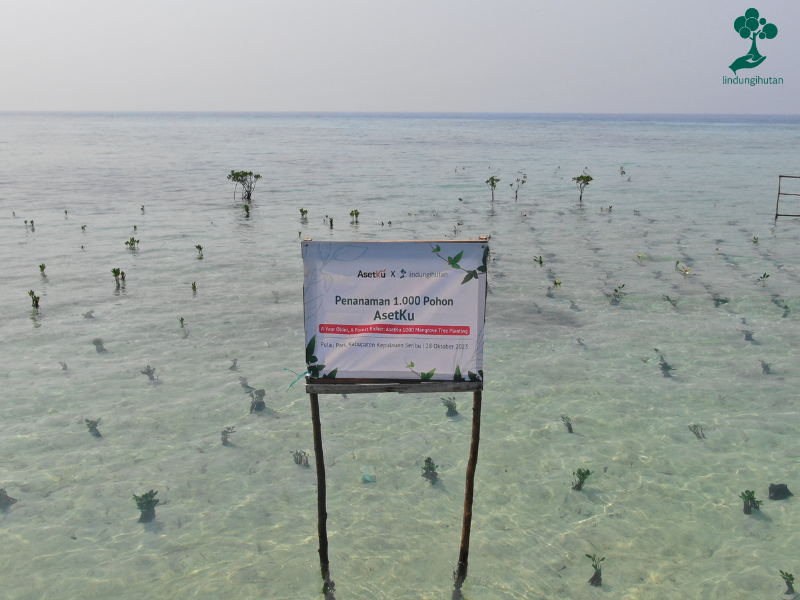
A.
pixel 678 379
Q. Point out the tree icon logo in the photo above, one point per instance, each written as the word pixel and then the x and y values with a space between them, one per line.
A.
pixel 751 27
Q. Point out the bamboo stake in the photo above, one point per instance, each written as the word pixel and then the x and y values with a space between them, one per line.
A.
pixel 463 557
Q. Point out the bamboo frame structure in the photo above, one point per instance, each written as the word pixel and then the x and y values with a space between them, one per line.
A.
pixel 780 193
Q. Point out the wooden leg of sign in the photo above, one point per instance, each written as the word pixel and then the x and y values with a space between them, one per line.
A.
pixel 463 557
pixel 322 512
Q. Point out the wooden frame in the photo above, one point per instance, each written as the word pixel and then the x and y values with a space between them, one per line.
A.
pixel 780 193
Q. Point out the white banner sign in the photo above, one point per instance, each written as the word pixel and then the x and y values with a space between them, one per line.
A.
pixel 395 310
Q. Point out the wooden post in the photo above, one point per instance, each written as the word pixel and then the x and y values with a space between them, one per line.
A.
pixel 463 556
pixel 322 512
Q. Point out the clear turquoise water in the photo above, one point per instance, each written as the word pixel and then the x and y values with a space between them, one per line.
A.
pixel 240 521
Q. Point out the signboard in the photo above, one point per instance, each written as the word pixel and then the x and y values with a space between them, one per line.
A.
pixel 395 310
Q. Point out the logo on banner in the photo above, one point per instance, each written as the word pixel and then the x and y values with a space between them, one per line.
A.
pixel 754 28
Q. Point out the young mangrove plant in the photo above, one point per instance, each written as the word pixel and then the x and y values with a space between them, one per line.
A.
pixel 697 430
pixel 244 384
pixel 146 503
pixel 538 260
pixel 233 367
pixel 247 180
pixel 247 210
pixel 429 470
pixel 300 458
pixel 719 300
pixel 41 269
pixel 354 216
pixel 567 423
pixel 579 478
pixel 750 502
pixel 673 301
pixel 781 303
pixel 596 579
pixel 32 227
pixel 303 215
pixel 199 251
pixel 622 171
pixel 63 366
pixel 765 367
pixel 34 299
pixel 194 287
pixel 763 279
pixel 83 228
pixel 226 434
pixel 92 427
pixel 142 208
pixel 150 372
pixel 666 368
pixel 450 403
pixel 681 269
pixel 132 244
pixel 582 181
pixel 257 403
pixel 98 345
pixel 748 335
pixel 616 296
pixel 5 500
pixel 491 183
pixel 135 229
pixel 518 183
pixel 115 273
pixel 788 579
pixel 122 277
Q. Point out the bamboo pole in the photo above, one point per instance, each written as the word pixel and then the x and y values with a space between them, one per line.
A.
pixel 322 512
pixel 463 556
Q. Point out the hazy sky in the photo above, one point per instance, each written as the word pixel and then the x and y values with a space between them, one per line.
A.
pixel 406 56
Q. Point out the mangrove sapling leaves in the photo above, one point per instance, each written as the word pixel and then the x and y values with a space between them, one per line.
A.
pixel 567 423
pixel 582 181
pixel 491 183
pixel 5 500
pixel 596 579
pixel 247 180
pixel 150 372
pixel 199 251
pixel 788 579
pixel 697 430
pixel 257 403
pixel 41 269
pixel 450 403
pixel 750 503
pixel 673 301
pixel 579 478
pixel 98 345
pixel 719 300
pixel 92 427
pixel 429 470
pixel 763 279
pixel 300 458
pixel 226 434
pixel 146 503
pixel 194 287
pixel 34 299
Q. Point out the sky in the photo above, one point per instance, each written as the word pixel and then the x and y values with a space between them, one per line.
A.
pixel 526 56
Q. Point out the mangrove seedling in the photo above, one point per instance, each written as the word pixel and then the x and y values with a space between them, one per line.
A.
pixel 450 403
pixel 748 335
pixel 142 208
pixel 763 279
pixel 5 500
pixel 788 579
pixel 622 171
pixel 227 433
pixel 132 244
pixel 539 260
pixel 582 181
pixel 83 228
pixel 32 227
pixel 518 183
pixel 697 430
pixel 719 300
pixel 567 423
pixel 257 403
pixel 765 367
pixel 246 210
pixel 755 240
pixel 596 579
pixel 579 478
pixel 300 458
pixel 303 213
pixel 194 287
pixel 150 372
pixel 134 229
pixel 92 427
pixel 34 299
pixel 491 183
pixel 63 365
pixel 665 367
pixel 98 345
pixel 247 180
pixel 750 502
pixel 244 384
pixel 26 223
pixel 181 321
pixel 673 301
pixel 41 269
pixel 354 216
pixel 617 295
pixel 429 470
pixel 115 273
pixel 199 251
pixel 781 303
pixel 146 503
pixel 122 277
pixel 233 366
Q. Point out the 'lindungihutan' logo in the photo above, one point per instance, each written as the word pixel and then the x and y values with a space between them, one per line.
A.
pixel 751 27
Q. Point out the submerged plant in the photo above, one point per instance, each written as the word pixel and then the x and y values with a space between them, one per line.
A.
pixel 579 478
pixel 765 367
pixel 567 423
pixel 300 458
pixel 5 500
pixel 673 301
pixel 233 366
pixel 450 403
pixel 429 470
pixel 596 579
pixel 199 251
pixel 697 430
pixel 150 372
pixel 582 181
pixel 780 303
pixel 491 183
pixel 719 300
pixel 244 384
pixel 788 579
pixel 34 299
pixel 92 427
pixel 41 269
pixel 750 502
pixel 666 368
pixel 146 503
pixel 226 434
pixel 98 345
pixel 257 403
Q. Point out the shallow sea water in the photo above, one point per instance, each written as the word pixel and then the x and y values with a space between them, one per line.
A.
pixel 240 521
